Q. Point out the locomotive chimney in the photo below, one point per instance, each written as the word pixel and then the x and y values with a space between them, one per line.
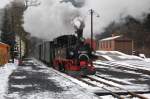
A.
pixel 79 26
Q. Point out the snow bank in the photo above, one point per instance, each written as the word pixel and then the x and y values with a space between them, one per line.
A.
pixel 147 59
pixel 5 71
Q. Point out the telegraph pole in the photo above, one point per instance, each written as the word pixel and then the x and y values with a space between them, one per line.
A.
pixel 97 15
pixel 91 12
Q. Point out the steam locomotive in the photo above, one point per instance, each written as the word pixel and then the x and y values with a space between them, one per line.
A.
pixel 69 54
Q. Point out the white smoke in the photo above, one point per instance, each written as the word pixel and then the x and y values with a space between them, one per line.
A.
pixel 3 3
pixel 78 23
pixel 52 18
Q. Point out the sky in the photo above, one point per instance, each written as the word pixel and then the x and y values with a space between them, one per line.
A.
pixel 53 18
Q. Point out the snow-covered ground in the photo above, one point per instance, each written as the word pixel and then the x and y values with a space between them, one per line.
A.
pixel 5 71
pixel 118 58
pixel 130 69
pixel 38 77
pixel 41 82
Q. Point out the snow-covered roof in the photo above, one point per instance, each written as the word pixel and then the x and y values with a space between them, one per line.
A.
pixel 111 38
pixel 3 43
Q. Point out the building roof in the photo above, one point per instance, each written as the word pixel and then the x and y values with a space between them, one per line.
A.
pixel 111 38
pixel 1 43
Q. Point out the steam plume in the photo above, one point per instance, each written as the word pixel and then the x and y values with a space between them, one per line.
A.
pixel 78 23
pixel 53 17
pixel 50 19
pixel 3 3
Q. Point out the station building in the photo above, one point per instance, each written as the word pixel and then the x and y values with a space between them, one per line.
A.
pixel 4 53
pixel 116 43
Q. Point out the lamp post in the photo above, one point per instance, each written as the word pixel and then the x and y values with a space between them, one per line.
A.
pixel 91 13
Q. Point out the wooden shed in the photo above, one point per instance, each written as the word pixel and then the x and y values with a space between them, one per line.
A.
pixel 117 43
pixel 4 53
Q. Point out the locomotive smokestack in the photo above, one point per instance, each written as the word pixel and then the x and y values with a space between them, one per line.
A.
pixel 79 26
pixel 79 23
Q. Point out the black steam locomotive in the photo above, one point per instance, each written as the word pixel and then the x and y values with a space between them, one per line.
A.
pixel 69 54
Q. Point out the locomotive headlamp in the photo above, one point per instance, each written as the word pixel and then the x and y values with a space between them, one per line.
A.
pixel 71 53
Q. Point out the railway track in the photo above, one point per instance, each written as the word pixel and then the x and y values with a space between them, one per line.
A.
pixel 111 92
pixel 126 67
pixel 102 83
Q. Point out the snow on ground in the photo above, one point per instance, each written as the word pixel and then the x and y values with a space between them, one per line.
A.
pixel 19 77
pixel 52 95
pixel 118 59
pixel 147 59
pixel 5 71
pixel 21 86
pixel 135 64
pixel 70 81
pixel 123 59
pixel 116 55
pixel 71 89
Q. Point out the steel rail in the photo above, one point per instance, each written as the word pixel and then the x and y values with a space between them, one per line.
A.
pixel 131 93
pixel 112 93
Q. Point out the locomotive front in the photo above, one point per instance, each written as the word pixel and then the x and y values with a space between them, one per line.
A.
pixel 84 58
